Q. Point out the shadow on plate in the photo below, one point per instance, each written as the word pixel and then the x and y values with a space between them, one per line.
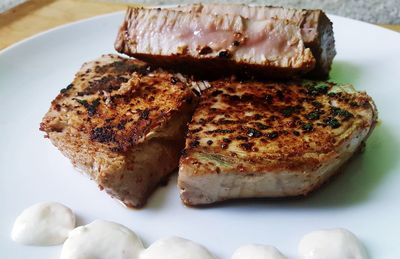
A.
pixel 358 180
pixel 354 185
pixel 345 72
pixel 158 199
pixel 79 221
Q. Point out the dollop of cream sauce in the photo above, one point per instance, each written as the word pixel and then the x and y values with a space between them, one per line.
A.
pixel 257 252
pixel 43 224
pixel 102 240
pixel 331 244
pixel 51 223
pixel 176 248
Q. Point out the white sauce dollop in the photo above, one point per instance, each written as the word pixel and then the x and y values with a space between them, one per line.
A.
pixel 331 244
pixel 257 252
pixel 176 248
pixel 102 240
pixel 43 224
pixel 51 223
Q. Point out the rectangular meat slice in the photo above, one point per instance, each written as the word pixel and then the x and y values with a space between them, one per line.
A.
pixel 256 139
pixel 122 124
pixel 316 28
pixel 214 45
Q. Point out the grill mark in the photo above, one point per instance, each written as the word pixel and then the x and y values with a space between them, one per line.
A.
pixel 66 89
pixel 107 83
pixel 103 134
pixel 222 131
pixel 287 114
pixel 247 146
pixel 90 107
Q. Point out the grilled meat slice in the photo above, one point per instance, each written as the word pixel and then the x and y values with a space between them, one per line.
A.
pixel 121 124
pixel 316 28
pixel 257 139
pixel 201 44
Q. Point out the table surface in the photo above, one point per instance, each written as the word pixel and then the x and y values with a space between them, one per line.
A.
pixel 36 16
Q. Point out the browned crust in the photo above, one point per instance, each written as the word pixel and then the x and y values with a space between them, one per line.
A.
pixel 284 129
pixel 235 150
pixel 112 116
pixel 122 124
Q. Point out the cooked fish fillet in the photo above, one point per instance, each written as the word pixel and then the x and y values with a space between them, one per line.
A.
pixel 257 139
pixel 122 124
pixel 204 43
pixel 316 28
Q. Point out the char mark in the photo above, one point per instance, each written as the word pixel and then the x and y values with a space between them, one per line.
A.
pixel 103 134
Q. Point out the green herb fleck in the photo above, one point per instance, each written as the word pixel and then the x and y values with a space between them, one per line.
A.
pixel 336 111
pixel 312 116
pixel 318 89
pixel 287 111
pixel 332 122
pixel 308 127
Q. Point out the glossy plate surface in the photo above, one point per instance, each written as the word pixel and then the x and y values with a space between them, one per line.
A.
pixel 365 198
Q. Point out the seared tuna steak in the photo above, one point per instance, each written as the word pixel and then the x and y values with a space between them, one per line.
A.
pixel 316 28
pixel 122 124
pixel 257 139
pixel 214 45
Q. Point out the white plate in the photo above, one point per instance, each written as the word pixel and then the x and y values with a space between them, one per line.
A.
pixel 364 199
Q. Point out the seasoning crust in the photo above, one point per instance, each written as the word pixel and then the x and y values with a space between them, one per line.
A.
pixel 117 120
pixel 299 132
